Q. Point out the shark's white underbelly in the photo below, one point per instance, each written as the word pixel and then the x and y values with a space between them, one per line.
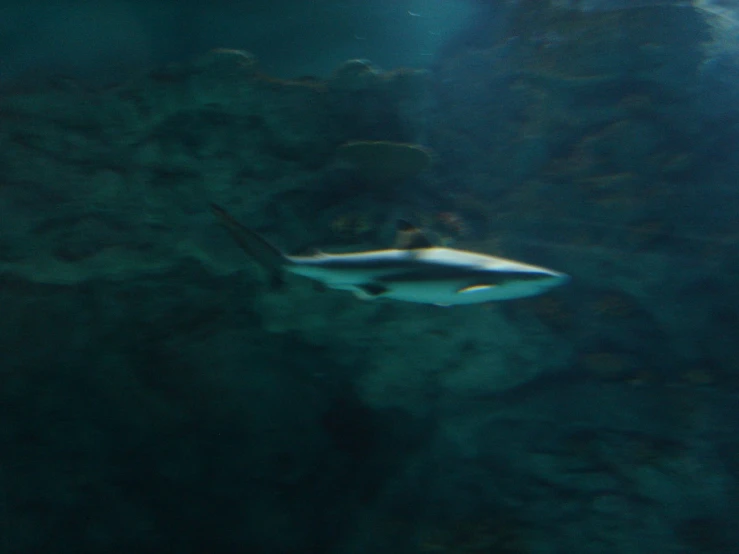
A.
pixel 443 293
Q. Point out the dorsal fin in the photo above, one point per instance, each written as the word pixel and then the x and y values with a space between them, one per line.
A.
pixel 410 237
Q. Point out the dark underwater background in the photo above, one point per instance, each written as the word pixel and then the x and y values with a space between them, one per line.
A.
pixel 158 396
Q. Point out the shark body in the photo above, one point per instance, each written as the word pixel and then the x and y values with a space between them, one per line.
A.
pixel 414 271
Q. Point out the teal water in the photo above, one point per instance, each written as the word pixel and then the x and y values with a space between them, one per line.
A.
pixel 160 393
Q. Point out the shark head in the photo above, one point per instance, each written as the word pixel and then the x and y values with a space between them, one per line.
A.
pixel 514 281
pixel 514 278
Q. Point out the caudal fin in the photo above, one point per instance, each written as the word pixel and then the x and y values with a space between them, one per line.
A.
pixel 266 255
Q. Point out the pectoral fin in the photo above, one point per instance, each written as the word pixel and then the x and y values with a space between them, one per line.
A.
pixel 372 290
pixel 474 288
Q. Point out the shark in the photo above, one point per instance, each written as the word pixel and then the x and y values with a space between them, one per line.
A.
pixel 414 270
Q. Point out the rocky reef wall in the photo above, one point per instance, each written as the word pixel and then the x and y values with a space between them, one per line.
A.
pixel 157 395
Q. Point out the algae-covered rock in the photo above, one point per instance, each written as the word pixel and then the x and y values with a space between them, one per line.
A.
pixel 356 75
pixel 157 394
pixel 382 162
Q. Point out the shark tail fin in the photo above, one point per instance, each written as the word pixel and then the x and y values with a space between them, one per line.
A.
pixel 266 255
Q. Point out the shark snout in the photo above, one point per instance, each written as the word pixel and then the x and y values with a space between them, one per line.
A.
pixel 551 279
